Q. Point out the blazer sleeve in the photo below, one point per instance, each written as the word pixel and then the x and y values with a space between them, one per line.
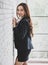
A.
pixel 21 30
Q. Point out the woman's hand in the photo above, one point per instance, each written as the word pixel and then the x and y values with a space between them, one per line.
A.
pixel 14 22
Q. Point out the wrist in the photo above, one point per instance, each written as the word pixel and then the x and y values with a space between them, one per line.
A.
pixel 14 25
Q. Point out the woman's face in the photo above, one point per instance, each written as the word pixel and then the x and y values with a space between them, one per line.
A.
pixel 20 11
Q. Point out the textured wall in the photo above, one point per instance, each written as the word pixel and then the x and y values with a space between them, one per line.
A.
pixel 6 39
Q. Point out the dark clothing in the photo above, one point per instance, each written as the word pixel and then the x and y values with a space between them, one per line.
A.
pixel 22 37
pixel 22 40
pixel 23 55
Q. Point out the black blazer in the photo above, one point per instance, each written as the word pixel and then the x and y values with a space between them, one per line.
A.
pixel 22 38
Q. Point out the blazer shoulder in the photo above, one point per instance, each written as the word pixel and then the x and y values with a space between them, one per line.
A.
pixel 25 20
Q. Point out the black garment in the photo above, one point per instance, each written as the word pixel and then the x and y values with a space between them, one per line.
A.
pixel 23 55
pixel 22 38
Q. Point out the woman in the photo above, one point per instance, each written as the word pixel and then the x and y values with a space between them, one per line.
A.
pixel 23 31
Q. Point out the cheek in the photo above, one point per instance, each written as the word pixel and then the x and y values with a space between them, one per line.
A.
pixel 23 13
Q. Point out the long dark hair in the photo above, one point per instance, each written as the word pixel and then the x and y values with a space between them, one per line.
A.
pixel 27 14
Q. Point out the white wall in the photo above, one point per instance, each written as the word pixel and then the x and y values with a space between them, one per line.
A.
pixel 6 34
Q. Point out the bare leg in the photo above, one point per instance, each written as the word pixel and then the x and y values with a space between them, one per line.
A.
pixel 18 63
pixel 25 63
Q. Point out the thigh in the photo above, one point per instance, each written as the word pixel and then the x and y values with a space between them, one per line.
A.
pixel 18 62
pixel 25 63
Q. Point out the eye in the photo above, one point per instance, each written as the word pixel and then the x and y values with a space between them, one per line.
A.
pixel 21 9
